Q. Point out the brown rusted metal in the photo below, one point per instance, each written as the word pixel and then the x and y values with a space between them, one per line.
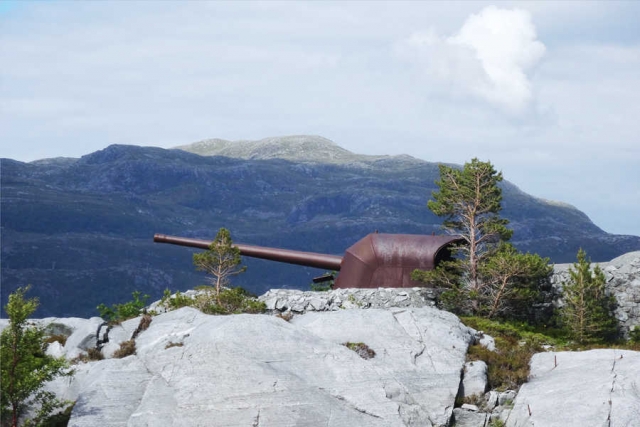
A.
pixel 387 260
pixel 377 260
pixel 309 259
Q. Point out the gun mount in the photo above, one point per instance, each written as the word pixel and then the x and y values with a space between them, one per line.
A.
pixel 377 260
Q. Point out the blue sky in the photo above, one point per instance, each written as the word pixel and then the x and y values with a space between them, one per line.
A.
pixel 547 91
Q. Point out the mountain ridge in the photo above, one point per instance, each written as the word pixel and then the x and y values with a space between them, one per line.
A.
pixel 83 229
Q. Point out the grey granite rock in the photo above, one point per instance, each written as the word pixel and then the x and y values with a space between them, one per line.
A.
pixel 590 388
pixel 506 397
pixel 466 418
pixel 487 342
pixel 474 380
pixel 261 370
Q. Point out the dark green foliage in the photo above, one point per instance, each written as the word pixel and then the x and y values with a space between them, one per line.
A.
pixel 61 419
pixel 361 349
pixel 25 368
pixel 469 200
pixel 634 335
pixel 588 310
pixel 121 312
pixel 447 275
pixel 512 282
pixel 222 260
pixel 487 276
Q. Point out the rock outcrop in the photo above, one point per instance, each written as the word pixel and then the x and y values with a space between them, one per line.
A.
pixel 589 388
pixel 242 370
pixel 260 370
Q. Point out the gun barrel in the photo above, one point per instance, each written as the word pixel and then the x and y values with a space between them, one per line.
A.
pixel 309 259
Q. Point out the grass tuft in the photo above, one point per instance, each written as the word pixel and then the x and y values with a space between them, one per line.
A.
pixel 127 348
pixel 361 349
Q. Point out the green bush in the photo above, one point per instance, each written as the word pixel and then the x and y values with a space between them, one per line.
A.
pixel 121 312
pixel 25 367
pixel 508 366
pixel 233 301
pixel 179 300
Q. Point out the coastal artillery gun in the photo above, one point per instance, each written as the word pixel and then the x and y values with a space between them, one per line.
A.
pixel 377 260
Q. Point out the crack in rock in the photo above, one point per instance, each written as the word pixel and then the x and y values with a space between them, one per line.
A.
pixel 613 385
pixel 416 334
pixel 419 353
pixel 351 405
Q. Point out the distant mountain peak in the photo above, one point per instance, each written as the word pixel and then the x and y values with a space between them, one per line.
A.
pixel 298 148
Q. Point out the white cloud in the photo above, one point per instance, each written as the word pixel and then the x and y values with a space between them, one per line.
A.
pixel 489 57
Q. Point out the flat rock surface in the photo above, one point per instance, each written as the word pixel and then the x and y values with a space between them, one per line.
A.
pixel 590 388
pixel 193 369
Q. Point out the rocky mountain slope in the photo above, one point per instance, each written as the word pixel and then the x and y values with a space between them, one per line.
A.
pixel 80 230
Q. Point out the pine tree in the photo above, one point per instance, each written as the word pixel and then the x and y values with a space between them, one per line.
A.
pixel 588 310
pixel 469 200
pixel 512 281
pixel 222 260
pixel 25 366
pixel 487 277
